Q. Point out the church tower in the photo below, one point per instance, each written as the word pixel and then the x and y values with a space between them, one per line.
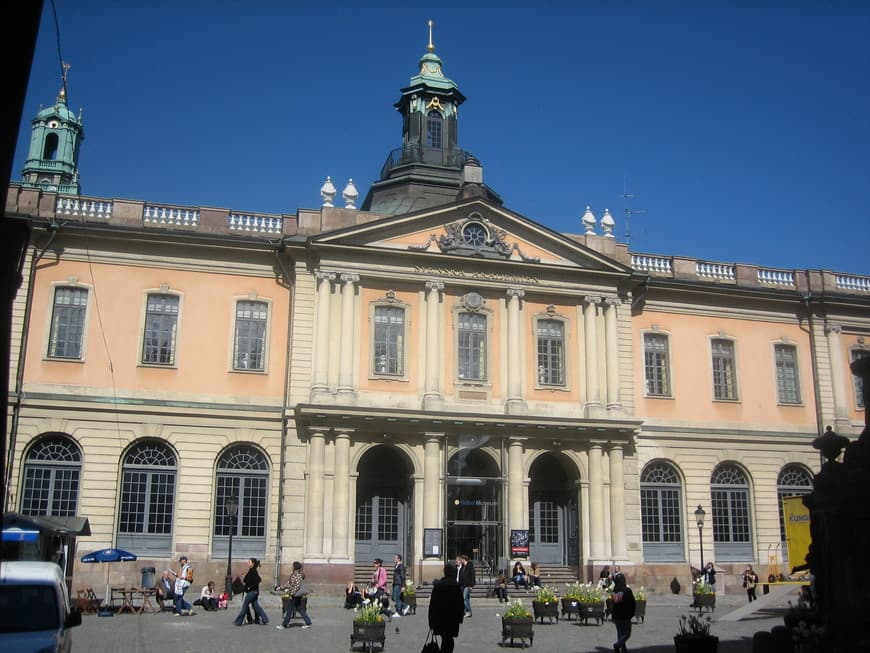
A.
pixel 428 169
pixel 56 136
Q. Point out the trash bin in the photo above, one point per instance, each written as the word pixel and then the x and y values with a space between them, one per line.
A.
pixel 148 576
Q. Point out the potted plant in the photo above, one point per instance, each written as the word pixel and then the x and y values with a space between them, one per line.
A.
pixel 591 602
pixel 409 596
pixel 517 623
pixel 546 604
pixel 368 625
pixel 693 635
pixel 640 604
pixel 704 595
pixel 571 600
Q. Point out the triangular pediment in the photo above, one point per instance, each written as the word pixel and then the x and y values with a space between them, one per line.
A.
pixel 469 230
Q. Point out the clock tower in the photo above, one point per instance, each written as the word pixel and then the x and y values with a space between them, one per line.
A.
pixel 52 161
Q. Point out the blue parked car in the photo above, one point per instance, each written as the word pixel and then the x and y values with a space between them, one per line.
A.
pixel 35 611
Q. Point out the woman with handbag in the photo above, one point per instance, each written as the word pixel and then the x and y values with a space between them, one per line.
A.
pixel 252 594
pixel 298 592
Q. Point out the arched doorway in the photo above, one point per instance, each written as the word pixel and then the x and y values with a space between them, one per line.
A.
pixel 383 505
pixel 554 524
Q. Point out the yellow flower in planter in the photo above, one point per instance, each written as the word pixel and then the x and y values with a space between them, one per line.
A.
pixel 409 590
pixel 368 613
pixel 694 626
pixel 701 587
pixel 546 595
pixel 516 609
pixel 640 594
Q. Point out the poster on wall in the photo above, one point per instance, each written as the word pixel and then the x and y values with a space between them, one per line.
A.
pixel 432 542
pixel 519 543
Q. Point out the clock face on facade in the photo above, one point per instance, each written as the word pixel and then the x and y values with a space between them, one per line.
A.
pixel 474 234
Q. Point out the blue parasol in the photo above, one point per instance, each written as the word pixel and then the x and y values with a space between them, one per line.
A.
pixel 108 556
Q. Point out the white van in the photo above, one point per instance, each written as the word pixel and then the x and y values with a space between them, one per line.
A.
pixel 35 611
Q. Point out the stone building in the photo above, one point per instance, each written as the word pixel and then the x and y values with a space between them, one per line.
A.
pixel 427 374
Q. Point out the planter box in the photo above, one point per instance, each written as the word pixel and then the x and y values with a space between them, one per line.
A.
pixel 704 602
pixel 549 610
pixel 683 644
pixel 570 607
pixel 368 635
pixel 640 611
pixel 411 601
pixel 591 611
pixel 520 628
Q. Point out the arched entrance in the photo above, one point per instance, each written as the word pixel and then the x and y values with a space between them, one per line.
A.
pixel 554 524
pixel 474 513
pixel 383 505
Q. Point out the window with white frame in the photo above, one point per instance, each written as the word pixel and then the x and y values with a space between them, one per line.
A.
pixel 161 327
pixel 243 475
pixel 249 343
pixel 793 481
pixel 661 513
pixel 787 384
pixel 147 498
pixel 389 340
pixel 724 369
pixel 551 352
pixel 68 322
pixel 858 384
pixel 472 346
pixel 434 123
pixel 729 498
pixel 52 474
pixel 656 364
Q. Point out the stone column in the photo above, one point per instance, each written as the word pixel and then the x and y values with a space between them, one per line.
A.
pixel 617 503
pixel 340 491
pixel 432 517
pixel 320 376
pixel 590 325
pixel 314 495
pixel 348 328
pixel 516 514
pixel 596 502
pixel 432 399
pixel 838 377
pixel 612 353
pixel 515 404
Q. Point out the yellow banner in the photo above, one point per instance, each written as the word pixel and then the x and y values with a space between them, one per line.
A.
pixel 797 530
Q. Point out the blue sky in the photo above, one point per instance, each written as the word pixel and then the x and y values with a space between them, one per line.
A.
pixel 742 128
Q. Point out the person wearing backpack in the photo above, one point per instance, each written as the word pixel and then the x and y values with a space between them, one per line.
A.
pixel 183 580
pixel 624 607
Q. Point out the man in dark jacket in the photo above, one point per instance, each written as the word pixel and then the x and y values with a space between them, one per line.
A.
pixel 446 608
pixel 466 580
pixel 623 611
pixel 399 585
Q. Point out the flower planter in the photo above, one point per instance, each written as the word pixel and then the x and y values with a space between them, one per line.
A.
pixel 690 644
pixel 589 611
pixel 368 634
pixel 549 610
pixel 411 601
pixel 570 607
pixel 520 628
pixel 704 602
pixel 640 611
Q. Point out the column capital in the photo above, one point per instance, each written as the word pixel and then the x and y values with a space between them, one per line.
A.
pixel 437 286
pixel 833 328
pixel 593 300
pixel 349 278
pixel 325 276
pixel 611 301
pixel 515 292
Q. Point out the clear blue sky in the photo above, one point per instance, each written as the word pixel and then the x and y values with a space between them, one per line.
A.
pixel 742 128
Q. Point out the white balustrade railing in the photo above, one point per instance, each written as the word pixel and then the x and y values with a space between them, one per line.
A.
pixel 776 277
pixel 657 264
pixel 264 224
pixel 78 207
pixel 851 282
pixel 171 216
pixel 719 271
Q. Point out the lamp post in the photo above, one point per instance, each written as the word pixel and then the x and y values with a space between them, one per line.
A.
pixel 699 518
pixel 232 507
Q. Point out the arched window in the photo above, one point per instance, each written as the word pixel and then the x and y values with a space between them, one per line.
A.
pixel 434 123
pixel 147 499
pixel 729 498
pixel 793 481
pixel 52 472
pixel 49 151
pixel 660 513
pixel 243 474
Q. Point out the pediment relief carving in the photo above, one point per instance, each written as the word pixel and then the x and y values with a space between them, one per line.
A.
pixel 477 236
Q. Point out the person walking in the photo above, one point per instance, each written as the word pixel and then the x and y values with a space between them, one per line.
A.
pixel 624 606
pixel 379 579
pixel 399 586
pixel 252 595
pixel 298 597
pixel 446 608
pixel 709 576
pixel 183 580
pixel 750 582
pixel 465 577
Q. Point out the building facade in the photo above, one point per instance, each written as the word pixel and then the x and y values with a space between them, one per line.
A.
pixel 432 374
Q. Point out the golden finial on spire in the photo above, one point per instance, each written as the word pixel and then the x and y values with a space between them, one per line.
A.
pixel 64 69
pixel 430 47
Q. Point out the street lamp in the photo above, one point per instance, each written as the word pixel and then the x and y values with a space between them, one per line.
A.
pixel 699 518
pixel 232 507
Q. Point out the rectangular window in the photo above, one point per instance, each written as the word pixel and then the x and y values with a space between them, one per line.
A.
pixel 551 352
pixel 249 346
pixel 859 384
pixel 161 325
pixel 433 129
pixel 472 347
pixel 67 322
pixel 389 340
pixel 656 364
pixel 787 385
pixel 724 373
